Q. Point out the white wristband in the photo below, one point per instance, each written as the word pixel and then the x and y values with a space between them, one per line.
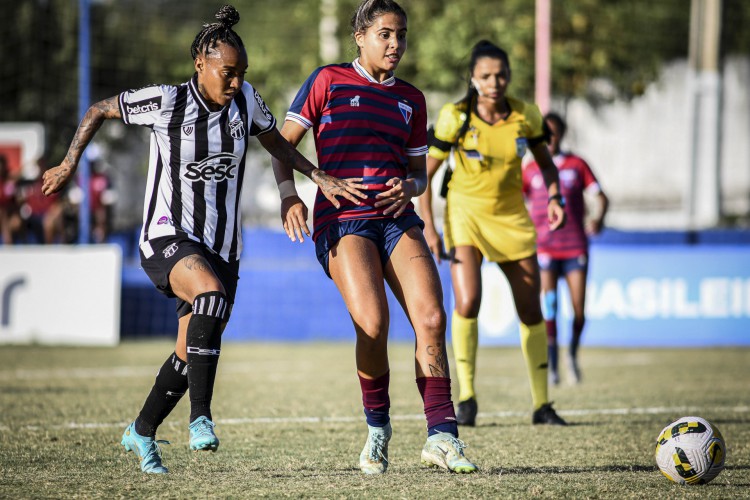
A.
pixel 287 189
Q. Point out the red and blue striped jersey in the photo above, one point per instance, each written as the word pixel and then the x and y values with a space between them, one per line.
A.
pixel 362 128
pixel 575 177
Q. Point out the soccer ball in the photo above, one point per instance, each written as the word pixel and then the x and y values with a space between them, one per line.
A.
pixel 690 450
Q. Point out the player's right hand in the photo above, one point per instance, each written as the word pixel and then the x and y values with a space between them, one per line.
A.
pixel 55 178
pixel 331 187
pixel 294 218
pixel 435 243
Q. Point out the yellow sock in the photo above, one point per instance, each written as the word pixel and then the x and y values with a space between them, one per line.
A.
pixel 465 332
pixel 534 347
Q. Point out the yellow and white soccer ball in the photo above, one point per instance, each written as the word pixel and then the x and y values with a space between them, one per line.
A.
pixel 690 450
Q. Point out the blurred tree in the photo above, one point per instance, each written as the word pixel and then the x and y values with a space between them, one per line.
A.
pixel 137 42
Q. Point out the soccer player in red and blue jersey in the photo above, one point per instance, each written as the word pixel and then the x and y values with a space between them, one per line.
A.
pixel 370 127
pixel 564 252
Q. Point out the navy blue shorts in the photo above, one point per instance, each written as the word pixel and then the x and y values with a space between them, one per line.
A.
pixel 563 266
pixel 169 250
pixel 385 233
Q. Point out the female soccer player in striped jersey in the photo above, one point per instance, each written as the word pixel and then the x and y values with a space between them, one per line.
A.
pixel 191 240
pixel 564 252
pixel 368 124
pixel 489 132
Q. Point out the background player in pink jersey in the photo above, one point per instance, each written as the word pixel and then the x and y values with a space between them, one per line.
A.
pixel 372 126
pixel 564 252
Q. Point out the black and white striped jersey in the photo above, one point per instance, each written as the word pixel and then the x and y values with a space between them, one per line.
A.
pixel 196 162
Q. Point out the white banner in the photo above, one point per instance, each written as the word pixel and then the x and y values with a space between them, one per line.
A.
pixel 60 294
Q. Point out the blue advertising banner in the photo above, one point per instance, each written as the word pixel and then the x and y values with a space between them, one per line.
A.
pixel 680 295
pixel 642 295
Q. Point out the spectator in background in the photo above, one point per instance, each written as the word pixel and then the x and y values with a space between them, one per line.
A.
pixel 489 132
pixel 564 253
pixel 9 220
pixel 41 219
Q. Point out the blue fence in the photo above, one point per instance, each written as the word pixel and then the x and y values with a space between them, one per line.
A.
pixel 645 289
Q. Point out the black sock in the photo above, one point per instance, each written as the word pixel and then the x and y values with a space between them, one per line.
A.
pixel 170 385
pixel 203 350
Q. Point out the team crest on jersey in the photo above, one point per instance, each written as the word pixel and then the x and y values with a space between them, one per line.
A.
pixel 354 101
pixel 187 130
pixel 521 144
pixel 405 111
pixel 237 129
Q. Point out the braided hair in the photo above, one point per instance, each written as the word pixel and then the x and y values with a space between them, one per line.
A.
pixel 222 31
pixel 369 10
pixel 482 48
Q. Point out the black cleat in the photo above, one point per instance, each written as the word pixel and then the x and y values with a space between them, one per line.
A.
pixel 547 415
pixel 467 412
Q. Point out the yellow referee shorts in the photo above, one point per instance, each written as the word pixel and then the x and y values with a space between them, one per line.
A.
pixel 500 237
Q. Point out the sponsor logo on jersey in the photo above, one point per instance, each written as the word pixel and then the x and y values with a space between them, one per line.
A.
pixel 263 106
pixel 164 220
pixel 237 129
pixel 170 250
pixel 145 106
pixel 216 168
pixel 521 144
pixel 354 101
pixel 405 111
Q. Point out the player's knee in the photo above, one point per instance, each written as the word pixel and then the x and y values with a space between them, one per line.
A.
pixel 432 322
pixel 549 304
pixel 213 304
pixel 468 308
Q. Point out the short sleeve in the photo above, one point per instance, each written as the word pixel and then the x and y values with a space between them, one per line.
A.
pixel 148 105
pixel 534 125
pixel 262 119
pixel 308 105
pixel 590 183
pixel 417 143
pixel 447 126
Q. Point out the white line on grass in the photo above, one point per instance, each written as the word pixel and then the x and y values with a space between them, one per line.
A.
pixel 682 410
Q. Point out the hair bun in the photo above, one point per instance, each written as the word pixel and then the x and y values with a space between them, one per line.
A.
pixel 228 16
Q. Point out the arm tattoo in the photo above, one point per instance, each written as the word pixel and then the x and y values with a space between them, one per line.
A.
pixel 438 368
pixel 90 123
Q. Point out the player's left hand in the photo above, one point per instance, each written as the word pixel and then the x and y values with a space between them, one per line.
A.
pixel 55 178
pixel 294 218
pixel 398 197
pixel 555 215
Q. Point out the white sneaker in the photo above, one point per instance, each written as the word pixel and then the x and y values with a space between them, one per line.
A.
pixel 447 451
pixel 374 456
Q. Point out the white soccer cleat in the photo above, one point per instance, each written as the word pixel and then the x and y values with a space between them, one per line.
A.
pixel 374 456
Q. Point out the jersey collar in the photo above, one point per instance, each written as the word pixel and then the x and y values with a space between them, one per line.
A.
pixel 391 80
pixel 193 84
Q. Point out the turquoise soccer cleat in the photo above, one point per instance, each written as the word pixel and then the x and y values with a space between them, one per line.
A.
pixel 202 435
pixel 146 448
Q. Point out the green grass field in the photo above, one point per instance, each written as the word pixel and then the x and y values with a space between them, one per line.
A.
pixel 290 422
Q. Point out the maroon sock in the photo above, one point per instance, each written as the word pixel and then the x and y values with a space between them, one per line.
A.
pixel 375 399
pixel 438 406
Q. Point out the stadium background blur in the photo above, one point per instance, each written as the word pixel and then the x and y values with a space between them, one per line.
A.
pixel 642 109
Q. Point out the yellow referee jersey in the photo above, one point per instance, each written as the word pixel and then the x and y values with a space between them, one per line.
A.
pixel 485 206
